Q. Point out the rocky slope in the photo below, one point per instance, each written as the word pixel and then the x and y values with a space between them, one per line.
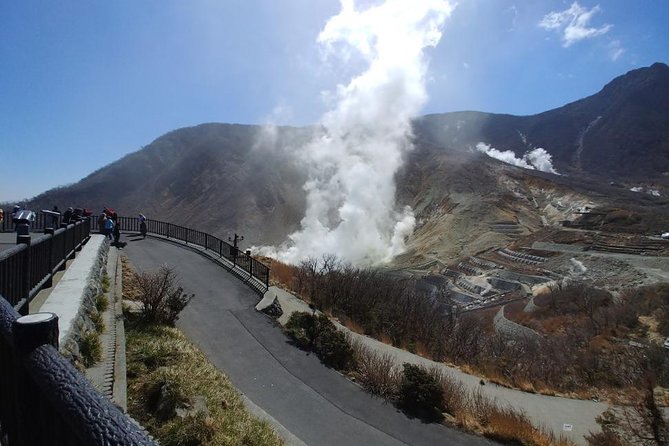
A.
pixel 226 178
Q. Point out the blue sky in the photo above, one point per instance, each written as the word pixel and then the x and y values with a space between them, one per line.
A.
pixel 84 83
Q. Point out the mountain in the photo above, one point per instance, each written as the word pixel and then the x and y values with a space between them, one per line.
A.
pixel 620 132
pixel 228 178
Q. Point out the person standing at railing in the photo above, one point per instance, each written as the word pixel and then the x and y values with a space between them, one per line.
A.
pixel 67 216
pixel 54 217
pixel 117 234
pixel 142 225
pixel 101 222
pixel 2 216
pixel 109 227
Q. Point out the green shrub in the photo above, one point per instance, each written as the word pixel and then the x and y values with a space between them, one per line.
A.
pixel 420 394
pixel 90 348
pixel 101 302
pixel 105 282
pixel 98 322
pixel 334 349
pixel 301 326
pixel 318 333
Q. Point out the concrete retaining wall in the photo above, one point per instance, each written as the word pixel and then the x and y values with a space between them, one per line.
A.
pixel 73 298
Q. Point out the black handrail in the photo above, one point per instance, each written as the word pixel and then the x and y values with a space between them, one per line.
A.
pixel 239 259
pixel 44 400
pixel 27 268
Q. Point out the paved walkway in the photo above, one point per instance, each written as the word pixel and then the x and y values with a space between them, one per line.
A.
pixel 7 240
pixel 315 404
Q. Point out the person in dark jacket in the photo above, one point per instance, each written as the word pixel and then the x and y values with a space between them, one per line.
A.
pixel 67 216
pixel 117 234
pixel 142 225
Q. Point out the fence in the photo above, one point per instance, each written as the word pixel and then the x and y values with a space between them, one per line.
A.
pixel 240 261
pixel 26 268
pixel 44 400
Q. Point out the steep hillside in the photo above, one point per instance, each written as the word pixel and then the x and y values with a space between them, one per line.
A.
pixel 219 177
pixel 227 178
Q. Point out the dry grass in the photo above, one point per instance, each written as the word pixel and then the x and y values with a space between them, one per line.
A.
pixel 376 372
pixel 481 414
pixel 469 410
pixel 281 274
pixel 166 374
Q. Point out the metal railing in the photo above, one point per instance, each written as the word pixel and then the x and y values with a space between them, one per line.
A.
pixel 240 261
pixel 256 271
pixel 27 268
pixel 45 400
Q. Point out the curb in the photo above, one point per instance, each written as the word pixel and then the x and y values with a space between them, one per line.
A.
pixel 120 391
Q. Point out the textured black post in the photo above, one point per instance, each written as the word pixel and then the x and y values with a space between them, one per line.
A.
pixel 30 332
pixel 25 278
pixel 34 330
pixel 23 233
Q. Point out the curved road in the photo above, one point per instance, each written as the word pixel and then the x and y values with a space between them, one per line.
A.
pixel 314 403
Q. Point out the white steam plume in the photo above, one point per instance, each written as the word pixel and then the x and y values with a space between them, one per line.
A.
pixel 352 161
pixel 538 159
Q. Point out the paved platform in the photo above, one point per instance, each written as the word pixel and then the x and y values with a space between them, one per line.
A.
pixel 7 240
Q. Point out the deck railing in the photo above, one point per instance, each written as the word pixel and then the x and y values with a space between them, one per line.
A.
pixel 240 260
pixel 258 272
pixel 27 268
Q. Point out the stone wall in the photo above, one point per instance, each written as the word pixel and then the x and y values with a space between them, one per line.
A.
pixel 73 298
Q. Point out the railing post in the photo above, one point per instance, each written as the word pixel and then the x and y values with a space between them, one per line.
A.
pixel 25 279
pixel 34 330
pixel 30 332
pixel 23 233
pixel 206 241
pixel 49 282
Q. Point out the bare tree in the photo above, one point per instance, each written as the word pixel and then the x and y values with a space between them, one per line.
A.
pixel 645 419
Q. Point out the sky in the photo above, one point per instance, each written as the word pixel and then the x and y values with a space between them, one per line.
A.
pixel 84 83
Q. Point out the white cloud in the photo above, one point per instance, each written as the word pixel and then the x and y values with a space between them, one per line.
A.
pixel 616 50
pixel 514 19
pixel 573 23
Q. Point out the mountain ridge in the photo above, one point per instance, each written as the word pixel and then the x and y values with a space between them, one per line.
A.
pixel 227 178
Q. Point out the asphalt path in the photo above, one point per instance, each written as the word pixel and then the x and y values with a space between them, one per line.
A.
pixel 316 404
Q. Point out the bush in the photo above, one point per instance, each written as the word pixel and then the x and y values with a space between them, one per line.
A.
pixel 161 296
pixel 605 438
pixel 420 393
pixel 105 282
pixel 98 322
pixel 90 348
pixel 318 333
pixel 376 371
pixel 101 303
